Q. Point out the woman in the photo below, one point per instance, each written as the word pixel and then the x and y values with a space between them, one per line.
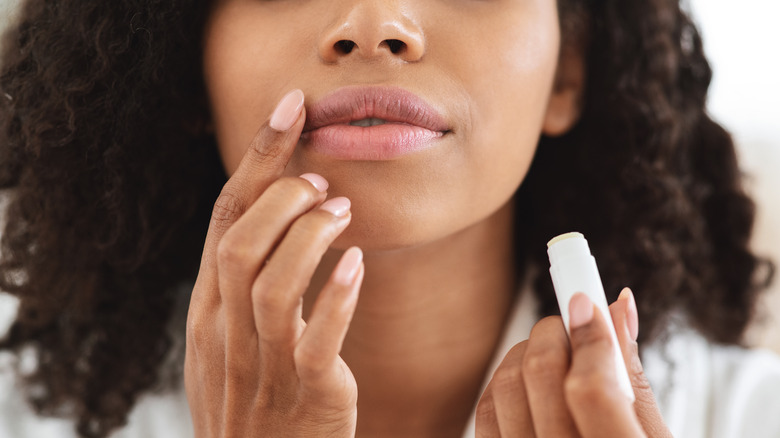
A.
pixel 445 142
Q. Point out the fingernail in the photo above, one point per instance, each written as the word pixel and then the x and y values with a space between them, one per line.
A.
pixel 287 111
pixel 348 266
pixel 317 181
pixel 632 315
pixel 337 206
pixel 580 310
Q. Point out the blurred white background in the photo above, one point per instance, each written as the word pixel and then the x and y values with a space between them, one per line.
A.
pixel 742 40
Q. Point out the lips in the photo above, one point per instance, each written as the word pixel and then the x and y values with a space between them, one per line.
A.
pixel 372 123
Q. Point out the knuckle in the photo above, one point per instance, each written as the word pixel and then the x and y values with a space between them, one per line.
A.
pixel 588 388
pixel 509 373
pixel 314 228
pixel 540 362
pixel 639 381
pixel 292 190
pixel 636 371
pixel 267 302
pixel 486 409
pixel 266 148
pixel 507 377
pixel 633 348
pixel 634 364
pixel 308 362
pixel 231 250
pixel 228 207
pixel 266 298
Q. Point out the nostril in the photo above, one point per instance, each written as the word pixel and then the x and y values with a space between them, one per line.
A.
pixel 395 45
pixel 344 46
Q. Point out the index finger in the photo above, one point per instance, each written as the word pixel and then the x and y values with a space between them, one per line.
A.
pixel 545 365
pixel 598 405
pixel 263 163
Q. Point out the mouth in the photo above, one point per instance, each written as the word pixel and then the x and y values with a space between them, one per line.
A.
pixel 366 123
pixel 372 123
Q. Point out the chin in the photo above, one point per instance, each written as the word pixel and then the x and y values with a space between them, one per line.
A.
pixel 384 234
pixel 398 231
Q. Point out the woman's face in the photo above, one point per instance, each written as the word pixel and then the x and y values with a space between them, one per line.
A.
pixel 486 67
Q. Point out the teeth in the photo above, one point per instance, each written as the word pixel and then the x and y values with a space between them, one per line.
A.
pixel 365 123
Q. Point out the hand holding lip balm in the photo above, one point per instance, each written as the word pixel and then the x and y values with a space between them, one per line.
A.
pixel 573 269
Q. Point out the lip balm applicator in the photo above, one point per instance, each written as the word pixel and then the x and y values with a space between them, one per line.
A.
pixel 573 269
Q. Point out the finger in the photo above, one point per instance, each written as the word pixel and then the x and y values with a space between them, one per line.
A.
pixel 597 404
pixel 263 163
pixel 277 292
pixel 486 420
pixel 316 354
pixel 247 244
pixel 545 365
pixel 509 391
pixel 626 321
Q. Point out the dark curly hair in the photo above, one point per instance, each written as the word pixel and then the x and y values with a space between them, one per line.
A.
pixel 110 175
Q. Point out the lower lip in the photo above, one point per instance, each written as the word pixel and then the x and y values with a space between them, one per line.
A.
pixel 380 142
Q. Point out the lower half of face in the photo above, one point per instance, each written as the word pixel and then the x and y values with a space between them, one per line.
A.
pixel 485 69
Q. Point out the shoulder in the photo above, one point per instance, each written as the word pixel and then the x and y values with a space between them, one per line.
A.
pixel 715 391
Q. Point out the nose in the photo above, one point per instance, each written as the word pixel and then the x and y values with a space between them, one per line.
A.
pixel 373 29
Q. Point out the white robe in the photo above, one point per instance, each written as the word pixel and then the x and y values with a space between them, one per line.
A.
pixel 704 391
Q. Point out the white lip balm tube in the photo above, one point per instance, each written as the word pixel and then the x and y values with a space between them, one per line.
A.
pixel 573 269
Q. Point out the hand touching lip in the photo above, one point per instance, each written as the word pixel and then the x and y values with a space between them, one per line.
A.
pixel 372 123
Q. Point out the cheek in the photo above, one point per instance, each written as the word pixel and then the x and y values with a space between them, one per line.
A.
pixel 242 84
pixel 510 81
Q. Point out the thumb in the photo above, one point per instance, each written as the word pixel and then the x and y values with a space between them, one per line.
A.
pixel 626 320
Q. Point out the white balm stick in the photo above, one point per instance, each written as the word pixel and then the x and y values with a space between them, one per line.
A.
pixel 573 269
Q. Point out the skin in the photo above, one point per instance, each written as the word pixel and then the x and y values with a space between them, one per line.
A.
pixel 428 196
pixel 277 345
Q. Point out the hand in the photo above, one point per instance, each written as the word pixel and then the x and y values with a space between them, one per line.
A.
pixel 546 388
pixel 253 367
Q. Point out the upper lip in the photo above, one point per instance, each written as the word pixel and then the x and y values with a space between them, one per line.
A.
pixel 392 104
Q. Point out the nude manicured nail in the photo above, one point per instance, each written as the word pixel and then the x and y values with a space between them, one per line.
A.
pixel 348 266
pixel 337 206
pixel 317 181
pixel 632 315
pixel 287 111
pixel 580 310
